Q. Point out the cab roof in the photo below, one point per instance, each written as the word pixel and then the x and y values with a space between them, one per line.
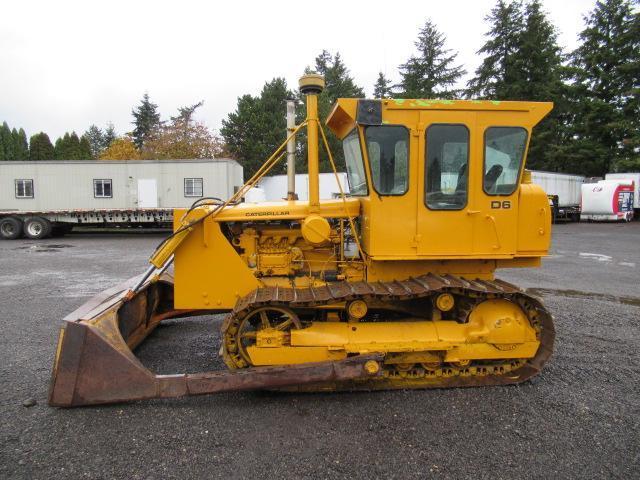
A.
pixel 347 112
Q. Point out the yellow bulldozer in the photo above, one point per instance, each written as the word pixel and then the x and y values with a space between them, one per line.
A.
pixel 389 286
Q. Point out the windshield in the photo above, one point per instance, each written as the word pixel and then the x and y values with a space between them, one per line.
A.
pixel 355 165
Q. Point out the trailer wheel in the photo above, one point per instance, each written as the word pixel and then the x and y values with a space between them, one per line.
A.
pixel 37 228
pixel 10 228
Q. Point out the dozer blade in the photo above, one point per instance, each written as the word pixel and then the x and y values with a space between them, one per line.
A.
pixel 95 363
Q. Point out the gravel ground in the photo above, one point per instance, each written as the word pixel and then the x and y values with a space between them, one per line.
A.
pixel 579 419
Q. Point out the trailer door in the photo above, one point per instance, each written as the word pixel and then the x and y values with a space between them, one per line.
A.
pixel 147 193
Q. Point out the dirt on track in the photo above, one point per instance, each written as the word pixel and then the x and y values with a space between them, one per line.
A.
pixel 580 418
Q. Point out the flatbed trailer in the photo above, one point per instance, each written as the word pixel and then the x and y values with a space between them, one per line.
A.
pixel 38 224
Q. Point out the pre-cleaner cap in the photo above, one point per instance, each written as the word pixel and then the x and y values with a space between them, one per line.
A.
pixel 311 84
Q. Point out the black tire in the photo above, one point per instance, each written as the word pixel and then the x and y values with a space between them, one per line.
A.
pixel 37 228
pixel 10 228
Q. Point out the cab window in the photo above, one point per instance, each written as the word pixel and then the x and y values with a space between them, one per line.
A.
pixel 388 150
pixel 503 153
pixel 355 166
pixel 447 167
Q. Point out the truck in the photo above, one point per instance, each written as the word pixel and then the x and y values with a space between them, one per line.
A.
pixel 608 200
pixel 635 176
pixel 39 199
pixel 563 191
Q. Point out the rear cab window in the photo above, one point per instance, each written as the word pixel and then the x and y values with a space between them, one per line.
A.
pixel 504 149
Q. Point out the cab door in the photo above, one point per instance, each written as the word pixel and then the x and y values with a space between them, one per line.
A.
pixel 502 148
pixel 445 206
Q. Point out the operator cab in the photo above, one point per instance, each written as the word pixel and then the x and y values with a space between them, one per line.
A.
pixel 442 178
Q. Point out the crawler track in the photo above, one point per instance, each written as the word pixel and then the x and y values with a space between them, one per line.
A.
pixel 423 288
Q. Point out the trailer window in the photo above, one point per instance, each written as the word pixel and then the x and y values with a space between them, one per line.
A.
pixel 102 188
pixel 24 188
pixel 447 167
pixel 388 150
pixel 503 153
pixel 355 166
pixel 192 187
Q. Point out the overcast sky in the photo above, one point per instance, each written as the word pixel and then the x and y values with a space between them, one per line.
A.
pixel 67 64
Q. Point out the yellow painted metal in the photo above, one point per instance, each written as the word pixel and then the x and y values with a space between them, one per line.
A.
pixel 357 309
pixel 445 302
pixel 497 329
pixel 371 367
pixel 209 274
pixel 162 255
pixel 292 355
pixel 399 236
pixel 312 151
pixel 316 230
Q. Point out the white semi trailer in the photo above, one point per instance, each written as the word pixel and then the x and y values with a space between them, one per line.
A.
pixel 564 192
pixel 44 198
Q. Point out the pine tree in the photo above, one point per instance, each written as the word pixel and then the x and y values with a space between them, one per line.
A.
pixel 338 84
pixel 431 73
pixel 109 135
pixel 257 127
pixel 606 74
pixel 540 77
pixel 5 141
pixel 95 136
pixel 146 120
pixel 382 87
pixel 84 149
pixel 40 147
pixel 11 146
pixel 497 76
pixel 22 146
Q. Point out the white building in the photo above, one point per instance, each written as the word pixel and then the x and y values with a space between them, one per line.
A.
pixel 114 184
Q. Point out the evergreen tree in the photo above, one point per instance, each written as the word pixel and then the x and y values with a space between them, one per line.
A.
pixel 431 73
pixel 5 141
pixel 40 147
pixel 338 84
pixel 497 76
pixel 84 149
pixel 382 87
pixel 11 147
pixel 68 148
pixel 538 63
pixel 109 135
pixel 95 136
pixel 146 120
pixel 524 62
pixel 257 127
pixel 606 74
pixel 22 146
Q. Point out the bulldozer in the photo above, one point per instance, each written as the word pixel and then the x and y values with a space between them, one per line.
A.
pixel 389 286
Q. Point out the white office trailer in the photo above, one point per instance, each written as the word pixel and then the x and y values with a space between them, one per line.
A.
pixel 635 176
pixel 275 187
pixel 564 191
pixel 48 197
pixel 610 200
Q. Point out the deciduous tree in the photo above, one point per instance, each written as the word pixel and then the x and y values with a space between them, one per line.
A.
pixel 183 138
pixel 121 149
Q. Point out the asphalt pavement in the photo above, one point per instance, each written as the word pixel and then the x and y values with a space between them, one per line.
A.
pixel 580 418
